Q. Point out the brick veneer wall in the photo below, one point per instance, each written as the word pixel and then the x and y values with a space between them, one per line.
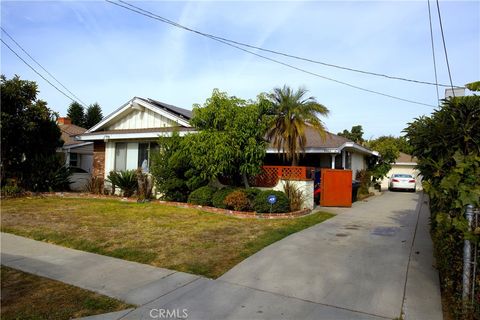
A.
pixel 99 159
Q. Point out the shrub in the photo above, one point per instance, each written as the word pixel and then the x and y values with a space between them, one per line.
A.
pixel 145 185
pixel 219 197
pixel 252 193
pixel 261 205
pixel 125 180
pixel 364 177
pixel 11 191
pixel 202 196
pixel 94 185
pixel 237 200
pixel 295 195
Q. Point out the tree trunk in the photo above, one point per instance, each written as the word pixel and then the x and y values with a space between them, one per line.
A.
pixel 245 180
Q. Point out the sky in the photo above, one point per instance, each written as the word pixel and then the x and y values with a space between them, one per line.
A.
pixel 106 54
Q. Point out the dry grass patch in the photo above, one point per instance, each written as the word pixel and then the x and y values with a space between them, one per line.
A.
pixel 26 296
pixel 183 239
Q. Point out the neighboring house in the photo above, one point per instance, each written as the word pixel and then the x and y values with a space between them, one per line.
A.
pixel 405 163
pixel 125 139
pixel 334 152
pixel 78 155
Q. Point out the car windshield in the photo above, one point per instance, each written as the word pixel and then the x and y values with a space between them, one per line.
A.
pixel 402 176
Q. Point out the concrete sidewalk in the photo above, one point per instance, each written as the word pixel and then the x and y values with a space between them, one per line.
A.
pixel 371 262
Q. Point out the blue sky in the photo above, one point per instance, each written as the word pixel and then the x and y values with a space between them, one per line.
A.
pixel 106 54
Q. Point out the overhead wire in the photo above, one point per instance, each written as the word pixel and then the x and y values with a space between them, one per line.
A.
pixel 433 49
pixel 445 48
pixel 282 53
pixel 156 17
pixel 34 70
pixel 38 63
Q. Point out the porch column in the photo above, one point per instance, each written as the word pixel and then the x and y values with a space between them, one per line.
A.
pixel 333 160
pixel 344 159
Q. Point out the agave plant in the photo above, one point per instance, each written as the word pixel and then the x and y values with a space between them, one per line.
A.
pixel 125 180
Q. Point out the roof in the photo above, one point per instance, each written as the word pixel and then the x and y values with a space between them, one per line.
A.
pixel 144 130
pixel 405 158
pixel 178 111
pixel 69 131
pixel 331 143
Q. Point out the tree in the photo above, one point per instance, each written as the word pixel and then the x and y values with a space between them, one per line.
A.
pixel 30 136
pixel 292 114
pixel 356 134
pixel 389 152
pixel 76 113
pixel 175 177
pixel 230 139
pixel 93 115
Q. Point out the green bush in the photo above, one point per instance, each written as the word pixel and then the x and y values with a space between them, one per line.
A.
pixel 295 195
pixel 125 180
pixel 252 193
pixel 11 191
pixel 202 196
pixel 262 206
pixel 237 200
pixel 219 197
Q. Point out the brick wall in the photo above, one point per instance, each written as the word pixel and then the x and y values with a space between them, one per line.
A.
pixel 99 159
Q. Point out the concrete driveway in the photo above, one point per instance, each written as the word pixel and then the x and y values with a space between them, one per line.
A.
pixel 356 261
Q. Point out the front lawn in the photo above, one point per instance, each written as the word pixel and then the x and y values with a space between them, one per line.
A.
pixel 181 239
pixel 26 296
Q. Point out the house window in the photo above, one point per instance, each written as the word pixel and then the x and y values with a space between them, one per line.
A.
pixel 74 160
pixel 143 156
pixel 120 156
pixel 348 160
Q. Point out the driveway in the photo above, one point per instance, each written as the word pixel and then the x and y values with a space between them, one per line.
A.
pixel 356 261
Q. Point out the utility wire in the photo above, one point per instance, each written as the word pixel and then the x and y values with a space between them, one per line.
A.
pixel 19 57
pixel 11 38
pixel 156 17
pixel 445 48
pixel 281 53
pixel 433 49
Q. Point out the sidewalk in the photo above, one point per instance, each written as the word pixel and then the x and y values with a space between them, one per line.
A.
pixel 370 262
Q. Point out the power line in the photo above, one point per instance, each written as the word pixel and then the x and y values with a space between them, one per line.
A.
pixel 78 99
pixel 433 49
pixel 156 17
pixel 281 53
pixel 445 48
pixel 19 57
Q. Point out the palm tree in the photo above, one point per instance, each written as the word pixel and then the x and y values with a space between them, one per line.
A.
pixel 293 113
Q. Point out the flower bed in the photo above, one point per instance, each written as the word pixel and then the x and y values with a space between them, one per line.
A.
pixel 239 214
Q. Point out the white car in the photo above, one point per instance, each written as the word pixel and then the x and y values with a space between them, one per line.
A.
pixel 402 181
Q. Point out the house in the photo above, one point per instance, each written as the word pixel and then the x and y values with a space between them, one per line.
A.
pixel 332 151
pixel 405 163
pixel 78 155
pixel 124 139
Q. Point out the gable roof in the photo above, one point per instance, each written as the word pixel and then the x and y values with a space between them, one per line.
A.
pixel 179 111
pixel 69 131
pixel 404 158
pixel 178 115
pixel 332 143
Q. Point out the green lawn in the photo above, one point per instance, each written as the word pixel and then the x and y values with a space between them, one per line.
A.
pixel 176 238
pixel 26 296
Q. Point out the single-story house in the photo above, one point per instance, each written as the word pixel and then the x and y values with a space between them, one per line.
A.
pixel 125 139
pixel 405 163
pixel 333 151
pixel 78 155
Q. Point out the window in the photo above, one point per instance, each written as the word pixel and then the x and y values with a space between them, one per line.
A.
pixel 143 156
pixel 74 160
pixel 120 156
